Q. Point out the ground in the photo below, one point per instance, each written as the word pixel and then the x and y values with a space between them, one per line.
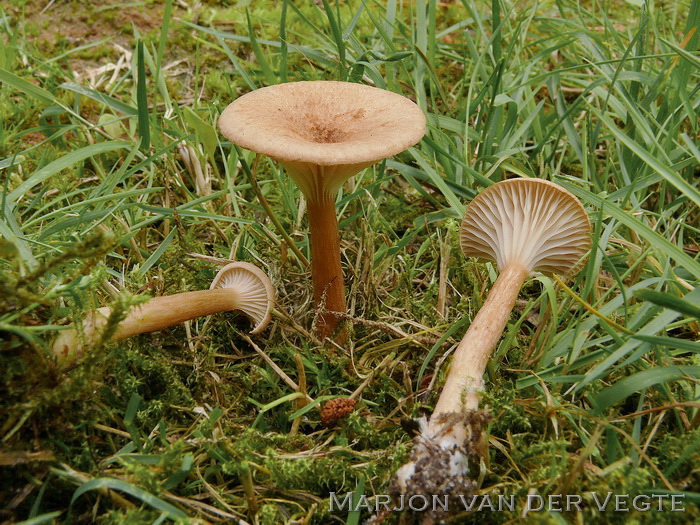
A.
pixel 117 186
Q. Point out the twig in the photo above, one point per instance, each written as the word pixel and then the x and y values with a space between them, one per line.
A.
pixel 277 369
pixel 374 373
pixel 301 402
pixel 590 308
pixel 278 312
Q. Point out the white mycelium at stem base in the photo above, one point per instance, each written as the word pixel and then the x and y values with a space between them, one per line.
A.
pixel 323 132
pixel 237 286
pixel 523 225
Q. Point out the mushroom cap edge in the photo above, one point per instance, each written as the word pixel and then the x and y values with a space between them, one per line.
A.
pixel 260 314
pixel 355 123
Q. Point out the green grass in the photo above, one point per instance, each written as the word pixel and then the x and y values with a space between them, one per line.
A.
pixel 595 386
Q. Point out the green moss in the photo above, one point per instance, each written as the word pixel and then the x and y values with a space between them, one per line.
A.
pixel 316 475
pixel 269 515
pixel 680 455
pixel 137 516
pixel 508 415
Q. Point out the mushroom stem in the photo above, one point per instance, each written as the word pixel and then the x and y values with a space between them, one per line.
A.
pixel 465 379
pixel 439 461
pixel 155 314
pixel 327 273
pixel 169 310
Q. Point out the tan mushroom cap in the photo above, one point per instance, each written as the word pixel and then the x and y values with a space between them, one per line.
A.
pixel 323 123
pixel 256 294
pixel 531 222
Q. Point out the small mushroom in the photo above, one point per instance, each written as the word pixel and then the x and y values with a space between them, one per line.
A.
pixel 324 132
pixel 238 286
pixel 523 225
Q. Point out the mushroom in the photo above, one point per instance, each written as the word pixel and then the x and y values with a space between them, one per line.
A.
pixel 523 225
pixel 237 286
pixel 323 132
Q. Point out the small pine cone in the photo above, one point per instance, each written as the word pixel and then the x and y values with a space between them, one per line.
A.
pixel 335 410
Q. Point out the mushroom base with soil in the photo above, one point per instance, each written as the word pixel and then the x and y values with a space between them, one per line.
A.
pixel 439 463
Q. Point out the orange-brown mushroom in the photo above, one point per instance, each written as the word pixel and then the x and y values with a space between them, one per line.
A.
pixel 523 225
pixel 238 286
pixel 324 132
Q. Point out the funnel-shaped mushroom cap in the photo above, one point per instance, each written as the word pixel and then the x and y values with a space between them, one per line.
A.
pixel 342 125
pixel 531 222
pixel 254 292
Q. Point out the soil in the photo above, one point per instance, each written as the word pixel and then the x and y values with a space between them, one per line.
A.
pixel 90 21
pixel 59 26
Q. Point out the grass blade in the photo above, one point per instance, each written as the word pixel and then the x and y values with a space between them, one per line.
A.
pixel 64 162
pixel 640 381
pixel 110 102
pixel 27 88
pixel 642 229
pixel 137 492
pixel 144 126
pixel 669 301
